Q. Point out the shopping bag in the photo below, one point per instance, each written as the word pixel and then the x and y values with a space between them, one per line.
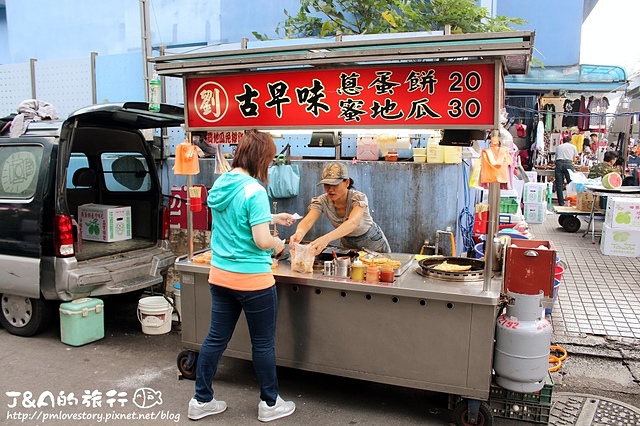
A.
pixel 284 178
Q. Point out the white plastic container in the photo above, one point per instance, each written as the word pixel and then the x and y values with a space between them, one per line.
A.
pixel 435 153
pixel 154 313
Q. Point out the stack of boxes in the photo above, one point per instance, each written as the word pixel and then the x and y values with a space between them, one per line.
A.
pixel 621 228
pixel 534 199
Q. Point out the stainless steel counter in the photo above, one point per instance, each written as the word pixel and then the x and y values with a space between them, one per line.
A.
pixel 416 332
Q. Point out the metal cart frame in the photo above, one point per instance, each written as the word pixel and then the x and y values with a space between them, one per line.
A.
pixel 386 334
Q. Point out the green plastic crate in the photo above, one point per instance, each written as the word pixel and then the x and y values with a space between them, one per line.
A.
pixel 541 397
pixel 508 205
pixel 529 412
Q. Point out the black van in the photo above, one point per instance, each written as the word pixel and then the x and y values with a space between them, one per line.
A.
pixel 98 155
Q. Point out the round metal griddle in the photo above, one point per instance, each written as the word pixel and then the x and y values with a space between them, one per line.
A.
pixel 475 273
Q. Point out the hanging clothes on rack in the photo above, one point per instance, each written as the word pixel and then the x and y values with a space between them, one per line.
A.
pixel 583 118
pixel 549 111
pixel 598 109
pixel 570 119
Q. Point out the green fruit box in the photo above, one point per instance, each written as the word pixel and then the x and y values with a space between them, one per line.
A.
pixel 100 222
pixel 623 213
pixel 620 242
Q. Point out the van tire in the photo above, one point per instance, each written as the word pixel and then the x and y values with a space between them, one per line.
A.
pixel 24 316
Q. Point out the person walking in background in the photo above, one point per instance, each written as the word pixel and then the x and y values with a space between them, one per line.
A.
pixel 241 278
pixel 566 154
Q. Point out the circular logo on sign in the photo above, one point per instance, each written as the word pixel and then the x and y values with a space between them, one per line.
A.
pixel 211 101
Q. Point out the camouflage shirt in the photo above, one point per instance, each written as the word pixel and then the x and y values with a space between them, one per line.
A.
pixel 600 170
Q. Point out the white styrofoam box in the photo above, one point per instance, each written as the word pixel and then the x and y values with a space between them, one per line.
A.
pixel 623 213
pixel 534 212
pixel 100 222
pixel 511 217
pixel 532 175
pixel 534 193
pixel 620 242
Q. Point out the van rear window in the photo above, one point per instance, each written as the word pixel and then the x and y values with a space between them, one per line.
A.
pixel 19 169
pixel 126 171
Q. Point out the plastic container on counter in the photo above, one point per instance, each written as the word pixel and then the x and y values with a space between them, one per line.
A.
pixel 357 270
pixel 373 274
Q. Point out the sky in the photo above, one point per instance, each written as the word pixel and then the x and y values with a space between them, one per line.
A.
pixel 611 35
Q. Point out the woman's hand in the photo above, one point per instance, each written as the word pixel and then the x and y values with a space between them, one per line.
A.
pixel 285 219
pixel 319 244
pixel 279 248
pixel 295 238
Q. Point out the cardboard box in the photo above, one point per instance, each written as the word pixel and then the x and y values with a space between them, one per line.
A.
pixel 99 222
pixel 620 242
pixel 534 212
pixel 585 200
pixel 534 193
pixel 623 213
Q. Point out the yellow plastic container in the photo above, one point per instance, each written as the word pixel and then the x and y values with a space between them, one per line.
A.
pixel 452 154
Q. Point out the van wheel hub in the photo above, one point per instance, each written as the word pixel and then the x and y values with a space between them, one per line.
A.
pixel 17 310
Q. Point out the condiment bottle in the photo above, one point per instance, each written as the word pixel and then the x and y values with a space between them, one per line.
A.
pixel 357 270
pixel 373 274
pixel 387 274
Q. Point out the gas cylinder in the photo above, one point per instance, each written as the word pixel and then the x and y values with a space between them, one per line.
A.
pixel 523 337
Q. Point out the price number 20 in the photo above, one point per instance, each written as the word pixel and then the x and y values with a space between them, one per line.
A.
pixel 459 82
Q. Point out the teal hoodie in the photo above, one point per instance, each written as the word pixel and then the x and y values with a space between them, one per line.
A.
pixel 238 202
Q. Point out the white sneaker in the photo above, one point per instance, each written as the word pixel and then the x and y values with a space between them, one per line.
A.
pixel 198 410
pixel 281 409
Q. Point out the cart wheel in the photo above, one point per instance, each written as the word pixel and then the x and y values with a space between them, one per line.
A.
pixel 187 361
pixel 561 219
pixel 485 418
pixel 571 224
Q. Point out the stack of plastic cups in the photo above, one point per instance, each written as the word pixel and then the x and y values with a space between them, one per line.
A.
pixel 556 283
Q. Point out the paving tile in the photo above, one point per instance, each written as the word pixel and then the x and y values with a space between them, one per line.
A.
pixel 601 302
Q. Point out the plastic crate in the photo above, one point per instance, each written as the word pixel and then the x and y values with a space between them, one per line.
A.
pixel 530 412
pixel 508 205
pixel 541 397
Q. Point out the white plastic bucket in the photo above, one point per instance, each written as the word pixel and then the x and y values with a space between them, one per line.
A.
pixel 154 313
pixel 176 298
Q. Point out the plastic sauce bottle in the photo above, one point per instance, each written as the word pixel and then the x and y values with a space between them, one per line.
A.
pixel 387 274
pixel 357 270
pixel 373 274
pixel 154 93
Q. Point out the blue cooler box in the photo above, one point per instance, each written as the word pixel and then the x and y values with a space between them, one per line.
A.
pixel 81 321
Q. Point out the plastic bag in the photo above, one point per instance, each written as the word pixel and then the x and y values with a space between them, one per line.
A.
pixel 302 259
pixel 474 179
pixel 284 179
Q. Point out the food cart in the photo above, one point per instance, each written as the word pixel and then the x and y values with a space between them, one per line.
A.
pixel 422 331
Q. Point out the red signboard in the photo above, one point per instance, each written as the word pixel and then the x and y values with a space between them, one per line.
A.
pixel 178 209
pixel 460 95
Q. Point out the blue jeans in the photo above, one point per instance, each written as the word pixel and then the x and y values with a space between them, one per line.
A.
pixel 562 173
pixel 260 308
